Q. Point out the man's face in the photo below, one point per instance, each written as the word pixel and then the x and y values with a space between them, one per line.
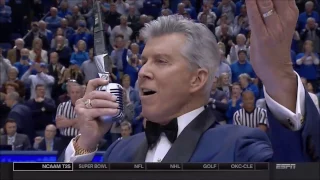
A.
pixel 11 128
pixel 126 83
pixel 125 131
pixel 113 8
pixel 248 101
pixel 119 42
pixel 309 8
pixel 53 58
pixel 40 91
pixel 242 56
pixel 240 40
pixel 123 21
pixel 50 133
pixel 19 44
pixel 53 12
pixel 236 90
pixel 311 24
pixel 75 93
pixel 64 23
pixel 167 74
pixel 24 52
pixel 308 47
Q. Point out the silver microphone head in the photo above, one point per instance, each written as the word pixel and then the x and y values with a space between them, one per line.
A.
pixel 113 88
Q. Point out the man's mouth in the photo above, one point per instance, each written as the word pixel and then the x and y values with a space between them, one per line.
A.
pixel 147 92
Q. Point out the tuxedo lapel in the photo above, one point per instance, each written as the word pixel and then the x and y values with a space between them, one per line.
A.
pixel 182 149
pixel 141 152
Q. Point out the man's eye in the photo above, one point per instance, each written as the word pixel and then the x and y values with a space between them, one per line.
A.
pixel 161 61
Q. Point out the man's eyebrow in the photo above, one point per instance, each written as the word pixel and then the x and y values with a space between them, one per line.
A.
pixel 157 55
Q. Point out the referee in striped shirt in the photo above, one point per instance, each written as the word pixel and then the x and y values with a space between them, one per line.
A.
pixel 66 119
pixel 250 115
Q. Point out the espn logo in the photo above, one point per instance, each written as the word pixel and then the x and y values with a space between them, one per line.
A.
pixel 285 166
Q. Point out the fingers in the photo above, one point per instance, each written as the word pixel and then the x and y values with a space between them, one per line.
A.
pixel 97 112
pixel 255 18
pixel 95 83
pixel 98 103
pixel 279 6
pixel 103 95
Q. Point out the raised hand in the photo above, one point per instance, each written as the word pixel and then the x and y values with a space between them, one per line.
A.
pixel 272 25
pixel 93 105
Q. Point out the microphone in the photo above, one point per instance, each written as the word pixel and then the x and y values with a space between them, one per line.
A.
pixel 113 88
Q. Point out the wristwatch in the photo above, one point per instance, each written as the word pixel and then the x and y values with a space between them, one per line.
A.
pixel 79 150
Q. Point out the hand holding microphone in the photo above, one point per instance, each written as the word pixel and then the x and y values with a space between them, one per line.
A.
pixel 101 105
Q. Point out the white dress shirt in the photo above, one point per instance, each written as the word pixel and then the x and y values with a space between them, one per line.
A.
pixel 160 150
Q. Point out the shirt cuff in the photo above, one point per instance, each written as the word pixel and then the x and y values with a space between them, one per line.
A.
pixel 292 120
pixel 69 155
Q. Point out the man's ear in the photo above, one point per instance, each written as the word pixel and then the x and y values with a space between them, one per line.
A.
pixel 198 80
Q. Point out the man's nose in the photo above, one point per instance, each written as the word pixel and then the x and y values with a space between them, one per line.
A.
pixel 145 72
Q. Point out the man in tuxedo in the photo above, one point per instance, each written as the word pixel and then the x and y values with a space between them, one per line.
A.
pixel 180 60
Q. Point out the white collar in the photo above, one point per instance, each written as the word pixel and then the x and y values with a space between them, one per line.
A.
pixel 185 119
pixel 12 137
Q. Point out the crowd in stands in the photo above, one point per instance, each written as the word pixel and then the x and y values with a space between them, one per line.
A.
pixel 45 73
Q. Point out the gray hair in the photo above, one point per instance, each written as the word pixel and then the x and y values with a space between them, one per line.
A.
pixel 201 48
pixel 309 3
pixel 125 123
pixel 14 96
pixel 19 40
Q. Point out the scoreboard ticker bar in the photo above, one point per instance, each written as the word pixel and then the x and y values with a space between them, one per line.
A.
pixel 140 166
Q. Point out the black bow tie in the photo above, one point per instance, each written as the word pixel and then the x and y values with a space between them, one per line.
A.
pixel 154 130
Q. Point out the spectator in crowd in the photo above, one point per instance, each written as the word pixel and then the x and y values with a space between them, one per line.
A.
pixel 241 66
pixel 117 53
pixel 308 86
pixel 122 6
pixel 133 19
pixel 309 12
pixel 131 65
pixel 68 31
pixel 63 50
pixel 235 102
pixel 75 17
pixel 89 68
pixel 224 67
pixel 41 77
pixel 82 33
pixel 14 54
pixel 218 101
pixel 5 21
pixel 21 114
pixel 247 85
pixel 55 69
pixel 235 48
pixel 64 9
pixel 5 66
pixel 312 32
pixel 126 130
pixel 308 62
pixel 12 78
pixel 53 20
pixel 35 33
pixel 43 109
pixel 18 141
pixel 46 32
pixel 80 55
pixel 123 29
pixel 66 118
pixel 209 16
pixel 224 84
pixel 112 17
pixel 227 7
pixel 250 115
pixel 37 54
pixel 48 142
pixel 24 62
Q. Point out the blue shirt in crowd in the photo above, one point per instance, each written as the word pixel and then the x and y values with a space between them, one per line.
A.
pixel 53 23
pixel 79 57
pixel 237 69
pixel 303 17
pixel 231 110
pixel 86 37
pixel 309 72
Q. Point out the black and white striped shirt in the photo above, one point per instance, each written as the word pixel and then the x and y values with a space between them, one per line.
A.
pixel 66 109
pixel 250 119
